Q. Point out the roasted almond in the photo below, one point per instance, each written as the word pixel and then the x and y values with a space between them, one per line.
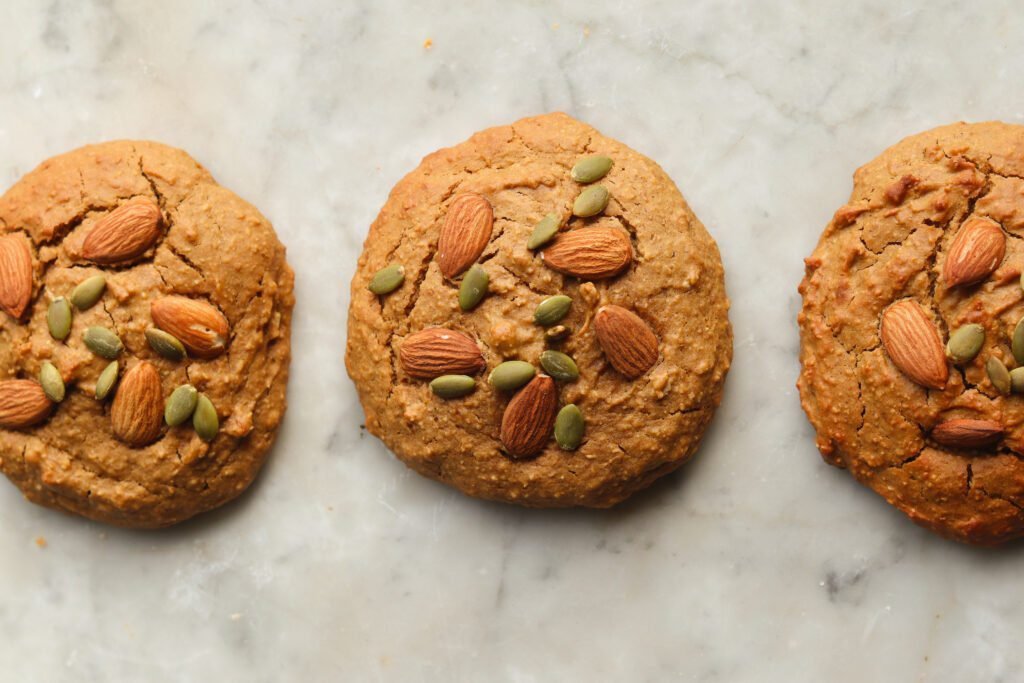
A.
pixel 125 233
pixel 197 324
pixel 912 342
pixel 15 275
pixel 437 351
pixel 465 233
pixel 627 341
pixel 589 253
pixel 23 403
pixel 976 251
pixel 529 418
pixel 967 433
pixel 138 408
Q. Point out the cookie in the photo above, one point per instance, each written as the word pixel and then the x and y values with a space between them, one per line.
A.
pixel 539 318
pixel 137 294
pixel 910 331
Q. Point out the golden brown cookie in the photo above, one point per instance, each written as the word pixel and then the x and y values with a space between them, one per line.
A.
pixel 127 273
pixel 523 353
pixel 910 334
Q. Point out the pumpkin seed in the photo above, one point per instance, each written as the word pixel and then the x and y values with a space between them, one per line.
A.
pixel 452 386
pixel 998 375
pixel 473 288
pixel 1017 380
pixel 556 333
pixel 1017 343
pixel 546 229
pixel 591 201
pixel 58 318
pixel 167 345
pixel 965 343
pixel 180 405
pixel 589 169
pixel 103 342
pixel 88 292
pixel 387 280
pixel 106 381
pixel 551 310
pixel 204 419
pixel 511 375
pixel 560 366
pixel 53 383
pixel 569 428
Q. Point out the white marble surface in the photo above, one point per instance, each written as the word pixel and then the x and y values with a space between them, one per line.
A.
pixel 757 562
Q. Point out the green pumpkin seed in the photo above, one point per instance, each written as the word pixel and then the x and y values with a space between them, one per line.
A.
pixel 452 386
pixel 53 383
pixel 107 380
pixel 387 280
pixel 589 169
pixel 560 366
pixel 204 419
pixel 180 405
pixel 965 343
pixel 88 292
pixel 569 428
pixel 556 333
pixel 58 318
pixel 103 342
pixel 998 375
pixel 544 232
pixel 1017 380
pixel 552 309
pixel 1017 343
pixel 473 288
pixel 167 345
pixel 591 201
pixel 511 375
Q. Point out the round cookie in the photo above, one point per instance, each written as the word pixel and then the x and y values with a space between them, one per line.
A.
pixel 188 267
pixel 646 333
pixel 910 304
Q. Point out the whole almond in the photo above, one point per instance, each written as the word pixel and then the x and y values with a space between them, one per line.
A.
pixel 23 403
pixel 197 324
pixel 976 251
pixel 15 275
pixel 912 342
pixel 125 233
pixel 138 408
pixel 465 233
pixel 967 433
pixel 629 344
pixel 530 417
pixel 437 351
pixel 589 253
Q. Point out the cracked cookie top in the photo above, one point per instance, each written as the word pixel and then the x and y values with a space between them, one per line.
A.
pixel 144 340
pixel 537 317
pixel 911 335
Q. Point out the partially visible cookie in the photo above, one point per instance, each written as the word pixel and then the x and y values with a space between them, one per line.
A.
pixel 144 340
pixel 912 340
pixel 538 318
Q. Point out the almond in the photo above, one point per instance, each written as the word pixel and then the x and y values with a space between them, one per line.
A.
pixel 627 341
pixel 913 344
pixel 590 253
pixel 23 403
pixel 530 418
pixel 967 433
pixel 437 351
pixel 976 251
pixel 138 408
pixel 15 275
pixel 465 233
pixel 197 324
pixel 125 233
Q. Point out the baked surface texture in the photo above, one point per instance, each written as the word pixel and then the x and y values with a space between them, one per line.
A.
pixel 929 244
pixel 211 248
pixel 636 430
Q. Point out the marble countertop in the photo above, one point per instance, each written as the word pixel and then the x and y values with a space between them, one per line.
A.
pixel 756 562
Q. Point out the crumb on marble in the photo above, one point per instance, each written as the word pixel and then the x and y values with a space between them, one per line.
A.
pixel 586 31
pixel 554 26
pixel 428 43
pixel 40 541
